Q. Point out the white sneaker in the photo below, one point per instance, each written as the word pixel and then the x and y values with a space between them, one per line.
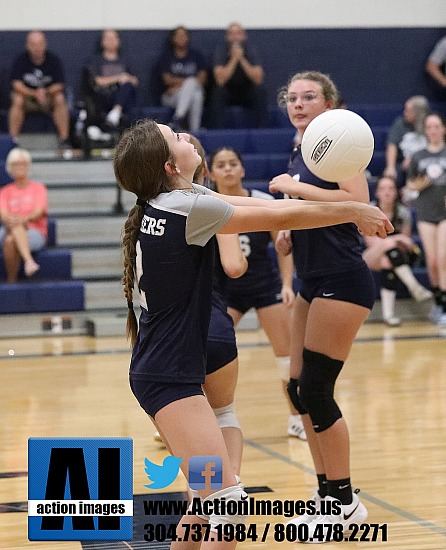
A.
pixel 442 320
pixel 96 134
pixel 422 294
pixel 435 314
pixel 393 321
pixel 296 427
pixel 354 513
pixel 113 117
pixel 308 518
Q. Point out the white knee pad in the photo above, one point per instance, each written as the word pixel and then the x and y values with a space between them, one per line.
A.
pixel 283 366
pixel 230 505
pixel 227 417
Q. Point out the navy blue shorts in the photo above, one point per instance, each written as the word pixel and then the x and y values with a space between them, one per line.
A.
pixel 219 354
pixel 355 286
pixel 153 396
pixel 257 300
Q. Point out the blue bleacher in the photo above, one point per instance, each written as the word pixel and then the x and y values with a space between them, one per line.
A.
pixel 55 264
pixel 40 297
pixel 51 289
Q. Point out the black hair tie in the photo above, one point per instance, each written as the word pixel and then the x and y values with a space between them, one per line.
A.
pixel 129 304
pixel 141 202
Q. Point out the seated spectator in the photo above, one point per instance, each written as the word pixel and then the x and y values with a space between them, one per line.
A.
pixel 405 137
pixel 394 254
pixel 238 77
pixel 24 216
pixel 109 86
pixel 427 177
pixel 37 81
pixel 436 64
pixel 183 72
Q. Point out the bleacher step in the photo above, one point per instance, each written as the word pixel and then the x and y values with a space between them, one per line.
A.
pixel 94 200
pixel 81 231
pixel 97 262
pixel 73 171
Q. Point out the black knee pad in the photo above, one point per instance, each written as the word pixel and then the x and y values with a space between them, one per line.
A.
pixel 316 388
pixel 396 257
pixel 389 279
pixel 292 388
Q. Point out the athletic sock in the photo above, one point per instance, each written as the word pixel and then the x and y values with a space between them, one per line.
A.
pixel 341 489
pixel 323 485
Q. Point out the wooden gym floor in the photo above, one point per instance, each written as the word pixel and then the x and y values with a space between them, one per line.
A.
pixel 392 392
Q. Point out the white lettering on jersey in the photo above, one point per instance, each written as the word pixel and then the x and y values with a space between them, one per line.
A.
pixel 142 294
pixel 245 245
pixel 152 226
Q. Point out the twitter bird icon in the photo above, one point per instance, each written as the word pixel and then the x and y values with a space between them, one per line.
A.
pixel 164 475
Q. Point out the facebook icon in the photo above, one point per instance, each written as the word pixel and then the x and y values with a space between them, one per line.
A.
pixel 205 472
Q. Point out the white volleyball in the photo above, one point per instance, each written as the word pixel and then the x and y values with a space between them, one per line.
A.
pixel 337 145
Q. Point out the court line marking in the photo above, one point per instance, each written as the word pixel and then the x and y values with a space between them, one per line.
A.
pixel 245 345
pixel 381 503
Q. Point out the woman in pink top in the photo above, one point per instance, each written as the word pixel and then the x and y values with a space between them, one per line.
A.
pixel 24 216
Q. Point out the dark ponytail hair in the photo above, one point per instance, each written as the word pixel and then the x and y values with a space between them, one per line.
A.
pixel 138 164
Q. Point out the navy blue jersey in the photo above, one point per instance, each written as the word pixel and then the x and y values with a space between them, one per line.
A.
pixel 174 264
pixel 323 250
pixel 38 76
pixel 262 272
pixel 189 65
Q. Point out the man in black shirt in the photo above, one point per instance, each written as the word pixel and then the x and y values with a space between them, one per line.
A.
pixel 37 81
pixel 238 77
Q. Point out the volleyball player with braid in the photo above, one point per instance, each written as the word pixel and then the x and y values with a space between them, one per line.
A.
pixel 169 253
pixel 221 347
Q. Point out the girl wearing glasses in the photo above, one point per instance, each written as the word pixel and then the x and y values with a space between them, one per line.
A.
pixel 335 298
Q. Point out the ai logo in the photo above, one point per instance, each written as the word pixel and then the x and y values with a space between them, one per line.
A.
pixel 80 489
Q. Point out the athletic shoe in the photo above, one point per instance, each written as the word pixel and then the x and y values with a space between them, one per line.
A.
pixel 307 518
pixel 422 294
pixel 354 513
pixel 393 321
pixel 296 427
pixel 435 314
pixel 442 320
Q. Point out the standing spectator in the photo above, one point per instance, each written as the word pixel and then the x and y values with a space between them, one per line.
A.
pixel 427 176
pixel 393 256
pixel 405 138
pixel 436 63
pixel 37 81
pixel 23 213
pixel 108 82
pixel 183 73
pixel 238 76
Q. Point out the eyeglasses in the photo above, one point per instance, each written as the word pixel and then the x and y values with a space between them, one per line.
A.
pixel 305 98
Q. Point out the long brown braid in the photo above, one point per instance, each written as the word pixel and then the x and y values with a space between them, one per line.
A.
pixel 138 163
